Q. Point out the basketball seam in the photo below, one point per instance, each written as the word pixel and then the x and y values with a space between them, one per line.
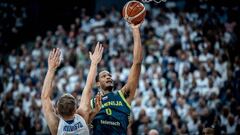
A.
pixel 138 14
pixel 132 9
pixel 130 18
pixel 126 14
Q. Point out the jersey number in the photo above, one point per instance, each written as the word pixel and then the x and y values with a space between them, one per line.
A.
pixel 109 111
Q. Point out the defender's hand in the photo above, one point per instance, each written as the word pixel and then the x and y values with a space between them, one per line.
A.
pixel 54 59
pixel 97 54
pixel 98 102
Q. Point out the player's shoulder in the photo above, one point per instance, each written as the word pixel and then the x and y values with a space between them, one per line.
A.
pixel 79 117
pixel 115 92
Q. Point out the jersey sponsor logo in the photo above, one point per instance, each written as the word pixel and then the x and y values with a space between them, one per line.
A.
pixel 112 103
pixel 113 123
pixel 70 128
pixel 105 98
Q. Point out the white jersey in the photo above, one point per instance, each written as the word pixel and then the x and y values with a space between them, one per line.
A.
pixel 77 127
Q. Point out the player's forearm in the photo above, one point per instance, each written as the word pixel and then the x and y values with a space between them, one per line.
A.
pixel 91 77
pixel 87 91
pixel 137 49
pixel 47 85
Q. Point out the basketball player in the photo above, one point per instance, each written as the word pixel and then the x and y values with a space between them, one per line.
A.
pixel 113 118
pixel 71 120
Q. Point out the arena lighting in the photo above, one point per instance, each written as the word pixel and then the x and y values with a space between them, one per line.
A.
pixel 156 1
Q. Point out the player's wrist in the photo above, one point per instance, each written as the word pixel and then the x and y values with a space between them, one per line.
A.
pixel 51 69
pixel 135 29
pixel 94 63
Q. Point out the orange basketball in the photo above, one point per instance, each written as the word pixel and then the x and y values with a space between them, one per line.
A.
pixel 134 12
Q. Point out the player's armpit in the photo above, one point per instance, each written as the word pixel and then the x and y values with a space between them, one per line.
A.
pixel 83 113
pixel 126 93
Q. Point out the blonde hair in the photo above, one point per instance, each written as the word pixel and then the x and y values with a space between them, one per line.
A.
pixel 66 105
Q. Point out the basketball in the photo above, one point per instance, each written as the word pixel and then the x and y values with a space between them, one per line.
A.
pixel 134 12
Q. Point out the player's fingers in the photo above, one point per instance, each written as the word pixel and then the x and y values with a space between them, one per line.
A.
pixel 100 99
pixel 97 47
pixel 58 61
pixel 57 52
pixel 102 48
pixel 59 55
pixel 98 96
pixel 97 100
pixel 50 55
pixel 54 51
pixel 90 55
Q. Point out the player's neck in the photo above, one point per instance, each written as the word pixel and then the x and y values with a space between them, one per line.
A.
pixel 104 92
pixel 66 118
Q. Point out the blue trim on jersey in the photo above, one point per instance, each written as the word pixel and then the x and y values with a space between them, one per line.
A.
pixel 69 121
pixel 124 99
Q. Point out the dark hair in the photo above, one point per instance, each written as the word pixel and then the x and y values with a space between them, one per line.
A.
pixel 99 71
pixel 66 105
pixel 97 77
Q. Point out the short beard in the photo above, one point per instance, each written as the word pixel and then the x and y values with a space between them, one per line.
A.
pixel 109 88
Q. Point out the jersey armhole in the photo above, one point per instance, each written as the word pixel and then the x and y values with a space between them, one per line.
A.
pixel 92 103
pixel 124 99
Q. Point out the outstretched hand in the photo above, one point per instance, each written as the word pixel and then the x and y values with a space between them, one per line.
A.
pixel 97 107
pixel 54 59
pixel 97 54
pixel 98 102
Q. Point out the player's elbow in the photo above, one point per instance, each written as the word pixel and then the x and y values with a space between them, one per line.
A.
pixel 137 61
pixel 86 108
pixel 44 96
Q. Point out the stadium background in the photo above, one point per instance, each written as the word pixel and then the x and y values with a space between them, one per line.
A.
pixel 190 75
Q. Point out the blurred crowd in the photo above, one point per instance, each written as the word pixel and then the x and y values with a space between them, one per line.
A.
pixel 12 19
pixel 190 73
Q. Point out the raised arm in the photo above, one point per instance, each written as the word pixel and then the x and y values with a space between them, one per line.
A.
pixel 48 108
pixel 130 87
pixel 85 108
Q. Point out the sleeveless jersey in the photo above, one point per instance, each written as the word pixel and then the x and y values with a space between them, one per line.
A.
pixel 77 127
pixel 113 118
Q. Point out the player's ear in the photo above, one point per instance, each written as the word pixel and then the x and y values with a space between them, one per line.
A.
pixel 56 111
pixel 98 84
